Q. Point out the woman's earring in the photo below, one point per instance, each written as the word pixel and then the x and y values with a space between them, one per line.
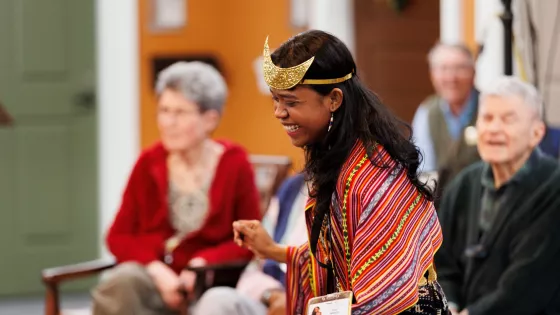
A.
pixel 331 122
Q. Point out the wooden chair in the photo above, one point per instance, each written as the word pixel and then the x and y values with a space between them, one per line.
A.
pixel 270 172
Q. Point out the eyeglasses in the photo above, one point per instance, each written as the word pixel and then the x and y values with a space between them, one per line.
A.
pixel 176 114
pixel 460 70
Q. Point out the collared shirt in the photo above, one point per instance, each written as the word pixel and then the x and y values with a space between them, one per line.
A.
pixel 493 198
pixel 455 125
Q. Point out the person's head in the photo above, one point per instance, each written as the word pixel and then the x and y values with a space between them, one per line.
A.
pixel 313 77
pixel 305 109
pixel 510 121
pixel 452 69
pixel 316 310
pixel 326 84
pixel 191 97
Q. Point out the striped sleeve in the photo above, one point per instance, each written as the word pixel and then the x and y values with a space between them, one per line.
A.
pixel 297 279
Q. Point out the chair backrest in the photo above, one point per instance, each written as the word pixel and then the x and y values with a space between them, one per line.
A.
pixel 270 172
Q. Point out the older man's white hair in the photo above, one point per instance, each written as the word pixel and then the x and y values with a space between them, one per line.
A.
pixel 197 81
pixel 509 86
pixel 434 52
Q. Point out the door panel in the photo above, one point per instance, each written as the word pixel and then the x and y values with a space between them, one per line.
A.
pixel 48 172
pixel 38 24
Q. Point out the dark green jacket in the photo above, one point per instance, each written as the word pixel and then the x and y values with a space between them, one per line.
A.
pixel 514 269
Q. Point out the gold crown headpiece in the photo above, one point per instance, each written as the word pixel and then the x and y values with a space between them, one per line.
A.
pixel 286 78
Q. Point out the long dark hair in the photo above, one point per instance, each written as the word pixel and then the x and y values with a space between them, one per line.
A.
pixel 361 116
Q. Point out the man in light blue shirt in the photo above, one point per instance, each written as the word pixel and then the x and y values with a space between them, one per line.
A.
pixel 441 119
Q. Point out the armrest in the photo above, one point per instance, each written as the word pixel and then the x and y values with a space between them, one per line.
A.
pixel 52 277
pixel 233 265
pixel 58 274
pixel 223 274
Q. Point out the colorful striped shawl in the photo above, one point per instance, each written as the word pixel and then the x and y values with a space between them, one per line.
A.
pixel 384 236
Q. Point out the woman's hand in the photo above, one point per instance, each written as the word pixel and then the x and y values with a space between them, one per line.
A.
pixel 167 283
pixel 251 235
pixel 188 278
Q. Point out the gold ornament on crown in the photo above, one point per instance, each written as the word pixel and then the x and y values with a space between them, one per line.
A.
pixel 286 78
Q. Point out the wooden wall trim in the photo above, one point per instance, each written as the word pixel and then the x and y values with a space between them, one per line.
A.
pixel 468 24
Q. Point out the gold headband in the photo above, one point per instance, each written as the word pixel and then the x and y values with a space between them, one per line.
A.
pixel 286 78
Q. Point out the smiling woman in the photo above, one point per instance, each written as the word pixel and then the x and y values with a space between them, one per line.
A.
pixel 303 114
pixel 373 228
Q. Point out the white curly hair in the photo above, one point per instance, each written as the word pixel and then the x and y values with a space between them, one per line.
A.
pixel 197 81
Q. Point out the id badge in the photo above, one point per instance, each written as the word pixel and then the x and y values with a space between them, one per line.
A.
pixel 339 303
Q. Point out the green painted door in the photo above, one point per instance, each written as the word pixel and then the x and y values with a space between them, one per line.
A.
pixel 48 197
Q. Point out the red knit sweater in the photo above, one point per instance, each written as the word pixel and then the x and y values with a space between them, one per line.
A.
pixel 142 223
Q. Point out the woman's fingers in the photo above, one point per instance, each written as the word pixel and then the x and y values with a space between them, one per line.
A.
pixel 244 229
pixel 249 234
pixel 237 238
pixel 242 232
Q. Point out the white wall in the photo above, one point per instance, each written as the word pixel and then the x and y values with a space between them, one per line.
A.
pixel 451 21
pixel 489 31
pixel 118 103
pixel 335 17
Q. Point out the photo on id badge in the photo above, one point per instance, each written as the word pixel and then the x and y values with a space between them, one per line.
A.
pixel 332 304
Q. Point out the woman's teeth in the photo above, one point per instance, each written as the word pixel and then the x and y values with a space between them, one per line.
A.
pixel 291 128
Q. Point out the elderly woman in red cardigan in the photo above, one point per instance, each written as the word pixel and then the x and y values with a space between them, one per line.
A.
pixel 181 199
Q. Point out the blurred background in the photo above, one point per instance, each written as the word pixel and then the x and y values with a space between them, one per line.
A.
pixel 77 102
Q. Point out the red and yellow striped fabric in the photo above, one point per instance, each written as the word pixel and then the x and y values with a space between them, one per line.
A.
pixel 384 234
